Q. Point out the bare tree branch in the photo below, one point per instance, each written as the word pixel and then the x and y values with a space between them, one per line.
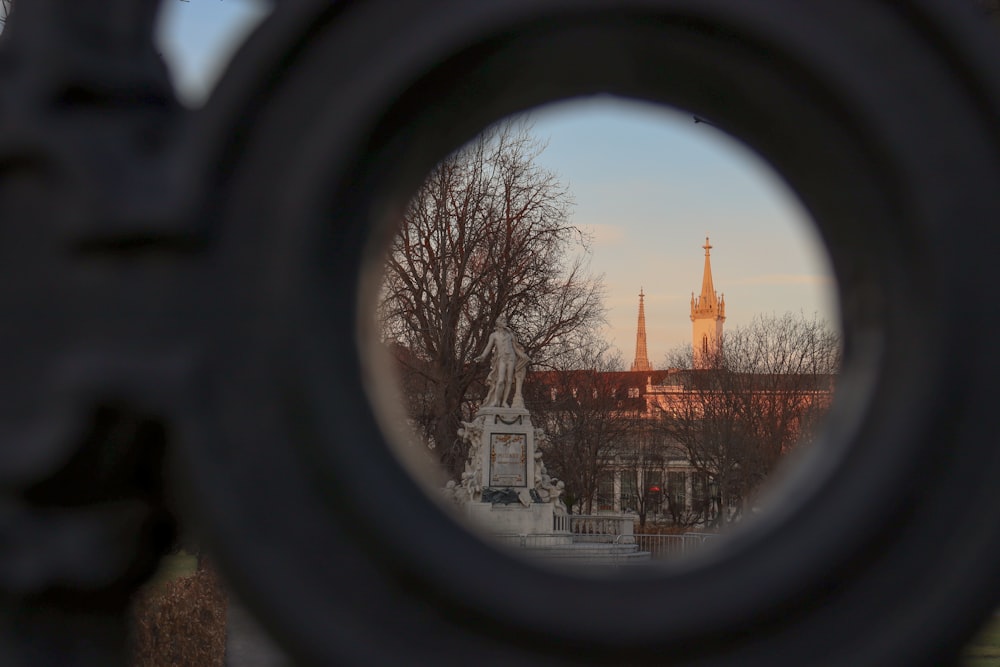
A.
pixel 588 417
pixel 486 234
pixel 763 394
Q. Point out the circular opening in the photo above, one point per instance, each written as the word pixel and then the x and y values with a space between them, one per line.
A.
pixel 375 172
pixel 652 392
pixel 358 159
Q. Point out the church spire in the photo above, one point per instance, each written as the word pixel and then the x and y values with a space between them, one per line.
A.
pixel 708 312
pixel 708 298
pixel 641 362
pixel 708 304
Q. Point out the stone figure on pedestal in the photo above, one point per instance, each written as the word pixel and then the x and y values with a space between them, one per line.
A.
pixel 508 369
pixel 505 487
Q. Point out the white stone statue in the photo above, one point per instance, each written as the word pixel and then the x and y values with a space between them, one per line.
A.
pixel 508 369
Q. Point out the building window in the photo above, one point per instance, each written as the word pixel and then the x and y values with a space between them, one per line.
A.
pixel 704 344
pixel 676 491
pixel 633 392
pixel 699 493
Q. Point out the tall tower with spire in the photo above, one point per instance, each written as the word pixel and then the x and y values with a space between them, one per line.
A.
pixel 641 362
pixel 708 312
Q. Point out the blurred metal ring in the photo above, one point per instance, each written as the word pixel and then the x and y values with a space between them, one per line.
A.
pixel 882 117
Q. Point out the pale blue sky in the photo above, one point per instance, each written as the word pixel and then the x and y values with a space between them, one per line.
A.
pixel 198 37
pixel 651 184
pixel 648 183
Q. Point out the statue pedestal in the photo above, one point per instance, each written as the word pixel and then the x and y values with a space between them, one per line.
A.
pixel 535 519
pixel 505 489
pixel 507 449
pixel 505 477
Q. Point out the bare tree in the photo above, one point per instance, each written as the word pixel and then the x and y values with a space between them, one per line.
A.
pixel 487 234
pixel 763 394
pixel 700 508
pixel 587 415
pixel 643 461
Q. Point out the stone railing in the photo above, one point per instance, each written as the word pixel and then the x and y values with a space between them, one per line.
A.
pixel 600 527
pixel 560 523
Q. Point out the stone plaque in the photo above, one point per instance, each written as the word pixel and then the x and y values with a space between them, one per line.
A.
pixel 508 459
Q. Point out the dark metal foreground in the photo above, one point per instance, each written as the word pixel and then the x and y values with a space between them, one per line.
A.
pixel 184 287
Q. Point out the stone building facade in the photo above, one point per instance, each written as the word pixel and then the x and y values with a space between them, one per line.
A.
pixel 651 469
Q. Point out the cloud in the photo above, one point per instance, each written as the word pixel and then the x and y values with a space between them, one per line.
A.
pixel 783 279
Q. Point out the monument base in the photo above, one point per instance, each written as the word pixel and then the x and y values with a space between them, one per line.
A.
pixel 535 519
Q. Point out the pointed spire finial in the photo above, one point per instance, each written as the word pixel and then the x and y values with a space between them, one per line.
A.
pixel 641 362
pixel 708 295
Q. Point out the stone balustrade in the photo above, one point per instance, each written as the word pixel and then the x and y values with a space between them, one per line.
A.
pixel 599 527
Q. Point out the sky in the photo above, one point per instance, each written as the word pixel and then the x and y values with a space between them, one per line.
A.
pixel 198 37
pixel 648 184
